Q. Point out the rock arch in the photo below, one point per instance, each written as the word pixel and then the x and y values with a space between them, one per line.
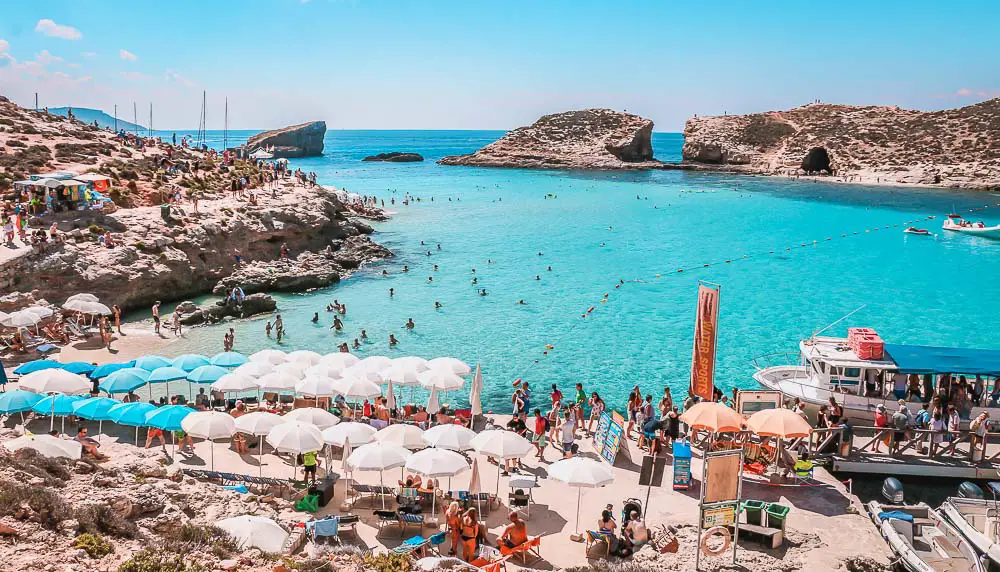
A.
pixel 817 160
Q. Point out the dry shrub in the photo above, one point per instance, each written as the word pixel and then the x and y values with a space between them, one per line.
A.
pixel 46 503
pixel 101 518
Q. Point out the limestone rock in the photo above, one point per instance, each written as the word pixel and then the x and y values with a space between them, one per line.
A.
pixel 303 140
pixel 257 303
pixel 396 157
pixel 587 139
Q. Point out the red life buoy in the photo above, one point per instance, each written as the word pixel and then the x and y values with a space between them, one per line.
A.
pixel 727 540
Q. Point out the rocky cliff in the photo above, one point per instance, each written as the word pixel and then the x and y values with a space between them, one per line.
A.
pixel 304 140
pixel 396 157
pixel 587 139
pixel 955 147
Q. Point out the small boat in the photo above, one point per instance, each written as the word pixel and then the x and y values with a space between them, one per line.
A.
pixel 922 540
pixel 979 521
pixel 956 223
pixel 915 230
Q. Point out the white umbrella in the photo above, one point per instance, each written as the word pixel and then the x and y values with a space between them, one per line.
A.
pixel 259 424
pixel 3 316
pixel 341 359
pixel 85 307
pixel 401 375
pixel 46 445
pixel 440 380
pixel 277 381
pixel 437 463
pixel 376 363
pixel 296 369
pixel 321 418
pixel 315 385
pixel 21 319
pixel 234 382
pixel 356 433
pixel 475 483
pixel 295 437
pixel 450 436
pixel 209 425
pixel 476 392
pixel 502 445
pixel 455 366
pixel 306 357
pixel 256 532
pixel 582 473
pixel 432 402
pixel 55 380
pixel 390 400
pixel 377 457
pixel 83 296
pixel 254 369
pixel 273 357
pixel 331 370
pixel 359 371
pixel 401 435
pixel 40 311
pixel 414 363
pixel 355 388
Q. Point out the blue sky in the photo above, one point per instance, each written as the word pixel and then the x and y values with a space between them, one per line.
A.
pixel 483 64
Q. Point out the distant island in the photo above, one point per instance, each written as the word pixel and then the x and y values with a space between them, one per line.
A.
pixel 104 121
pixel 396 157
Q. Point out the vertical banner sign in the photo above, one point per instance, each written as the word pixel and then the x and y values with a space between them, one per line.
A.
pixel 703 361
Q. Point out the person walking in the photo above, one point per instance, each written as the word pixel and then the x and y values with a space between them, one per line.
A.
pixel 156 317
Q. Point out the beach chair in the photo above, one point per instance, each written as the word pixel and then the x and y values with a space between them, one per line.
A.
pixel 348 522
pixel 406 519
pixel 595 538
pixel 495 566
pixel 328 528
pixel 385 517
pixel 411 545
pixel 437 541
pixel 530 548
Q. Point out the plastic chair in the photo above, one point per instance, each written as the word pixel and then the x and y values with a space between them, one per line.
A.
pixel 438 540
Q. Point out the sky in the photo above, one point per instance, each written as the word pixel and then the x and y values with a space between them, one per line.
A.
pixel 485 64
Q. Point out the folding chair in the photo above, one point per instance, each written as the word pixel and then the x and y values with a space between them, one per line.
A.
pixel 406 518
pixel 325 528
pixel 594 538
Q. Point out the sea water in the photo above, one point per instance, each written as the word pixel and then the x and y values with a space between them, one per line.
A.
pixel 765 240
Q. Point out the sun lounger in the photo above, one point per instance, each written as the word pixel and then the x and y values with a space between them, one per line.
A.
pixel 371 491
pixel 411 545
pixel 406 518
pixel 529 548
pixel 385 517
pixel 324 528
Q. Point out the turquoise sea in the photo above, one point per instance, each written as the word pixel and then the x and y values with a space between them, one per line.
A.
pixel 595 229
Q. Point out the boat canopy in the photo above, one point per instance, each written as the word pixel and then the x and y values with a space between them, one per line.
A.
pixel 933 359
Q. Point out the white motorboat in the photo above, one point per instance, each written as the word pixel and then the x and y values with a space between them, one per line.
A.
pixel 922 540
pixel 956 223
pixel 979 521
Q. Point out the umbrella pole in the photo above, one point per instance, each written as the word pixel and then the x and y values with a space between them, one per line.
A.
pixel 260 457
pixel 295 467
pixel 100 428
pixel 136 435
pixel 381 485
pixel 576 527
pixel 211 445
pixel 498 474
pixel 52 418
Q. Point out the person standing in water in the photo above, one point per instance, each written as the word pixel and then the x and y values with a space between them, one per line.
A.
pixel 156 317
pixel 409 324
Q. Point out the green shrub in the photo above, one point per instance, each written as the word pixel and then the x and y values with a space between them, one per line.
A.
pixel 193 538
pixel 95 229
pixel 388 562
pixel 152 561
pixel 93 544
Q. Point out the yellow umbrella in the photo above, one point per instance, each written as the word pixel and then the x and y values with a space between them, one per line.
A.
pixel 783 423
pixel 712 416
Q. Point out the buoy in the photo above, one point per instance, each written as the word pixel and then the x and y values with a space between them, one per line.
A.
pixel 549 347
pixel 728 261
pixel 657 275
pixel 591 309
pixel 705 266
pixel 680 270
pixel 722 531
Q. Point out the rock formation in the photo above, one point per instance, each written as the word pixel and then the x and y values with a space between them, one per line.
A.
pixel 192 315
pixel 587 139
pixel 955 147
pixel 303 140
pixel 396 157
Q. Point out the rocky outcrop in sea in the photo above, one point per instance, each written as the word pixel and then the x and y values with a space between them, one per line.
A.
pixel 396 157
pixel 587 139
pixel 303 140
pixel 864 144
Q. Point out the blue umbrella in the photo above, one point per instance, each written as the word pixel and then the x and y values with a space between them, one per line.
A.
pixel 124 380
pixel 168 417
pixel 18 401
pixel 109 368
pixel 56 404
pixel 96 409
pixel 190 362
pixel 150 363
pixel 131 414
pixel 80 367
pixel 167 374
pixel 207 374
pixel 37 365
pixel 229 359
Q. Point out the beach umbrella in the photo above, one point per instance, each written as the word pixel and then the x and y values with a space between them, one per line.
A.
pixel 234 382
pixel 152 363
pixel 375 363
pixel 581 473
pixel 3 316
pixel 333 371
pixel 341 359
pixel 209 425
pixel 47 446
pixel 455 366
pixel 168 417
pixel 402 435
pixel 190 362
pixel 356 388
pixel 132 414
pixel 413 363
pixel 432 402
pixel 782 423
pixel 166 374
pixel 321 418
pixel 449 436
pixel 37 365
pixel 56 404
pixel 356 433
pixel 315 386
pixel 21 319
pixel 305 357
pixel 297 370
pixel 55 381
pixel 96 409
pixel 437 463
pixel 206 374
pixel 277 381
pixel 401 375
pixel 476 392
pixel 475 483
pixel 502 445
pixel 254 369
pixel 259 424
pixel 79 367
pixel 359 371
pixel 229 359
pixel 378 457
pixel 440 379
pixel 712 416
pixel 297 438
pixel 19 401
pixel 109 368
pixel 86 307
pixel 83 296
pixel 40 311
pixel 124 380
pixel 255 532
pixel 390 400
pixel 273 357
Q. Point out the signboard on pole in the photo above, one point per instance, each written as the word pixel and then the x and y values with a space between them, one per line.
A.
pixel 608 437
pixel 721 490
pixel 705 334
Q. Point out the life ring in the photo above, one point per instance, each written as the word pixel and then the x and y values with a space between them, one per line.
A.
pixel 727 540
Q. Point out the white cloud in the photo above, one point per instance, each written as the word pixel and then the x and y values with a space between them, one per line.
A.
pixel 4 46
pixel 964 92
pixel 175 77
pixel 45 58
pixel 88 54
pixel 50 28
pixel 73 65
pixel 127 55
pixel 134 75
pixel 61 75
pixel 84 78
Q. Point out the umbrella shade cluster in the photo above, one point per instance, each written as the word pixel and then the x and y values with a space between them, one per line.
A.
pixel 124 380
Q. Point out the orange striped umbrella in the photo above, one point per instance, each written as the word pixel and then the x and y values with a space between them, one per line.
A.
pixel 783 423
pixel 712 416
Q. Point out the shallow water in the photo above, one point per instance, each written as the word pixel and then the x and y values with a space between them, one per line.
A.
pixel 594 232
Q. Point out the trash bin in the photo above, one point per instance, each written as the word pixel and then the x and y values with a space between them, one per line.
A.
pixel 776 514
pixel 754 508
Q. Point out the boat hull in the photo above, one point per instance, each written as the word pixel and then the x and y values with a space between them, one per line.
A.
pixel 983 231
pixel 980 541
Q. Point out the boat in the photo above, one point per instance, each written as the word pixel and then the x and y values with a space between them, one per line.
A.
pixel 922 540
pixel 828 367
pixel 979 521
pixel 915 230
pixel 956 223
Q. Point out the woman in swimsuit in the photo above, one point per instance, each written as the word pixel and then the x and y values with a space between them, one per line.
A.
pixel 470 532
pixel 453 519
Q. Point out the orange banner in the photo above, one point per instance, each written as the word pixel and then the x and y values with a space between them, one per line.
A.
pixel 703 361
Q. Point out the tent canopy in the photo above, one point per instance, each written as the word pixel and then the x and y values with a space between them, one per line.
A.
pixel 933 359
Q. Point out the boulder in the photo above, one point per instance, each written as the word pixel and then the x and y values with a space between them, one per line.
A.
pixel 303 140
pixel 253 304
pixel 396 157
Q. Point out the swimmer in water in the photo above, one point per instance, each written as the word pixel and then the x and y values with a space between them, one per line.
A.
pixel 473 270
pixel 475 280
pixel 392 292
pixel 539 253
pixel 489 261
pixel 329 307
pixel 315 317
pixel 428 253
pixel 385 273
pixel 357 344
pixel 406 268
pixel 435 268
pixel 437 305
pixel 430 278
pixel 409 324
pixel 421 243
pixel 537 277
pixel 602 244
pixel 520 302
pixel 392 340
pixel 482 292
pixel 549 269
pixel 364 335
pixel 337 324
pixel 439 246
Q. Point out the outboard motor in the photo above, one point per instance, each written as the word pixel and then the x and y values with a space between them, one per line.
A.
pixel 892 490
pixel 970 490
